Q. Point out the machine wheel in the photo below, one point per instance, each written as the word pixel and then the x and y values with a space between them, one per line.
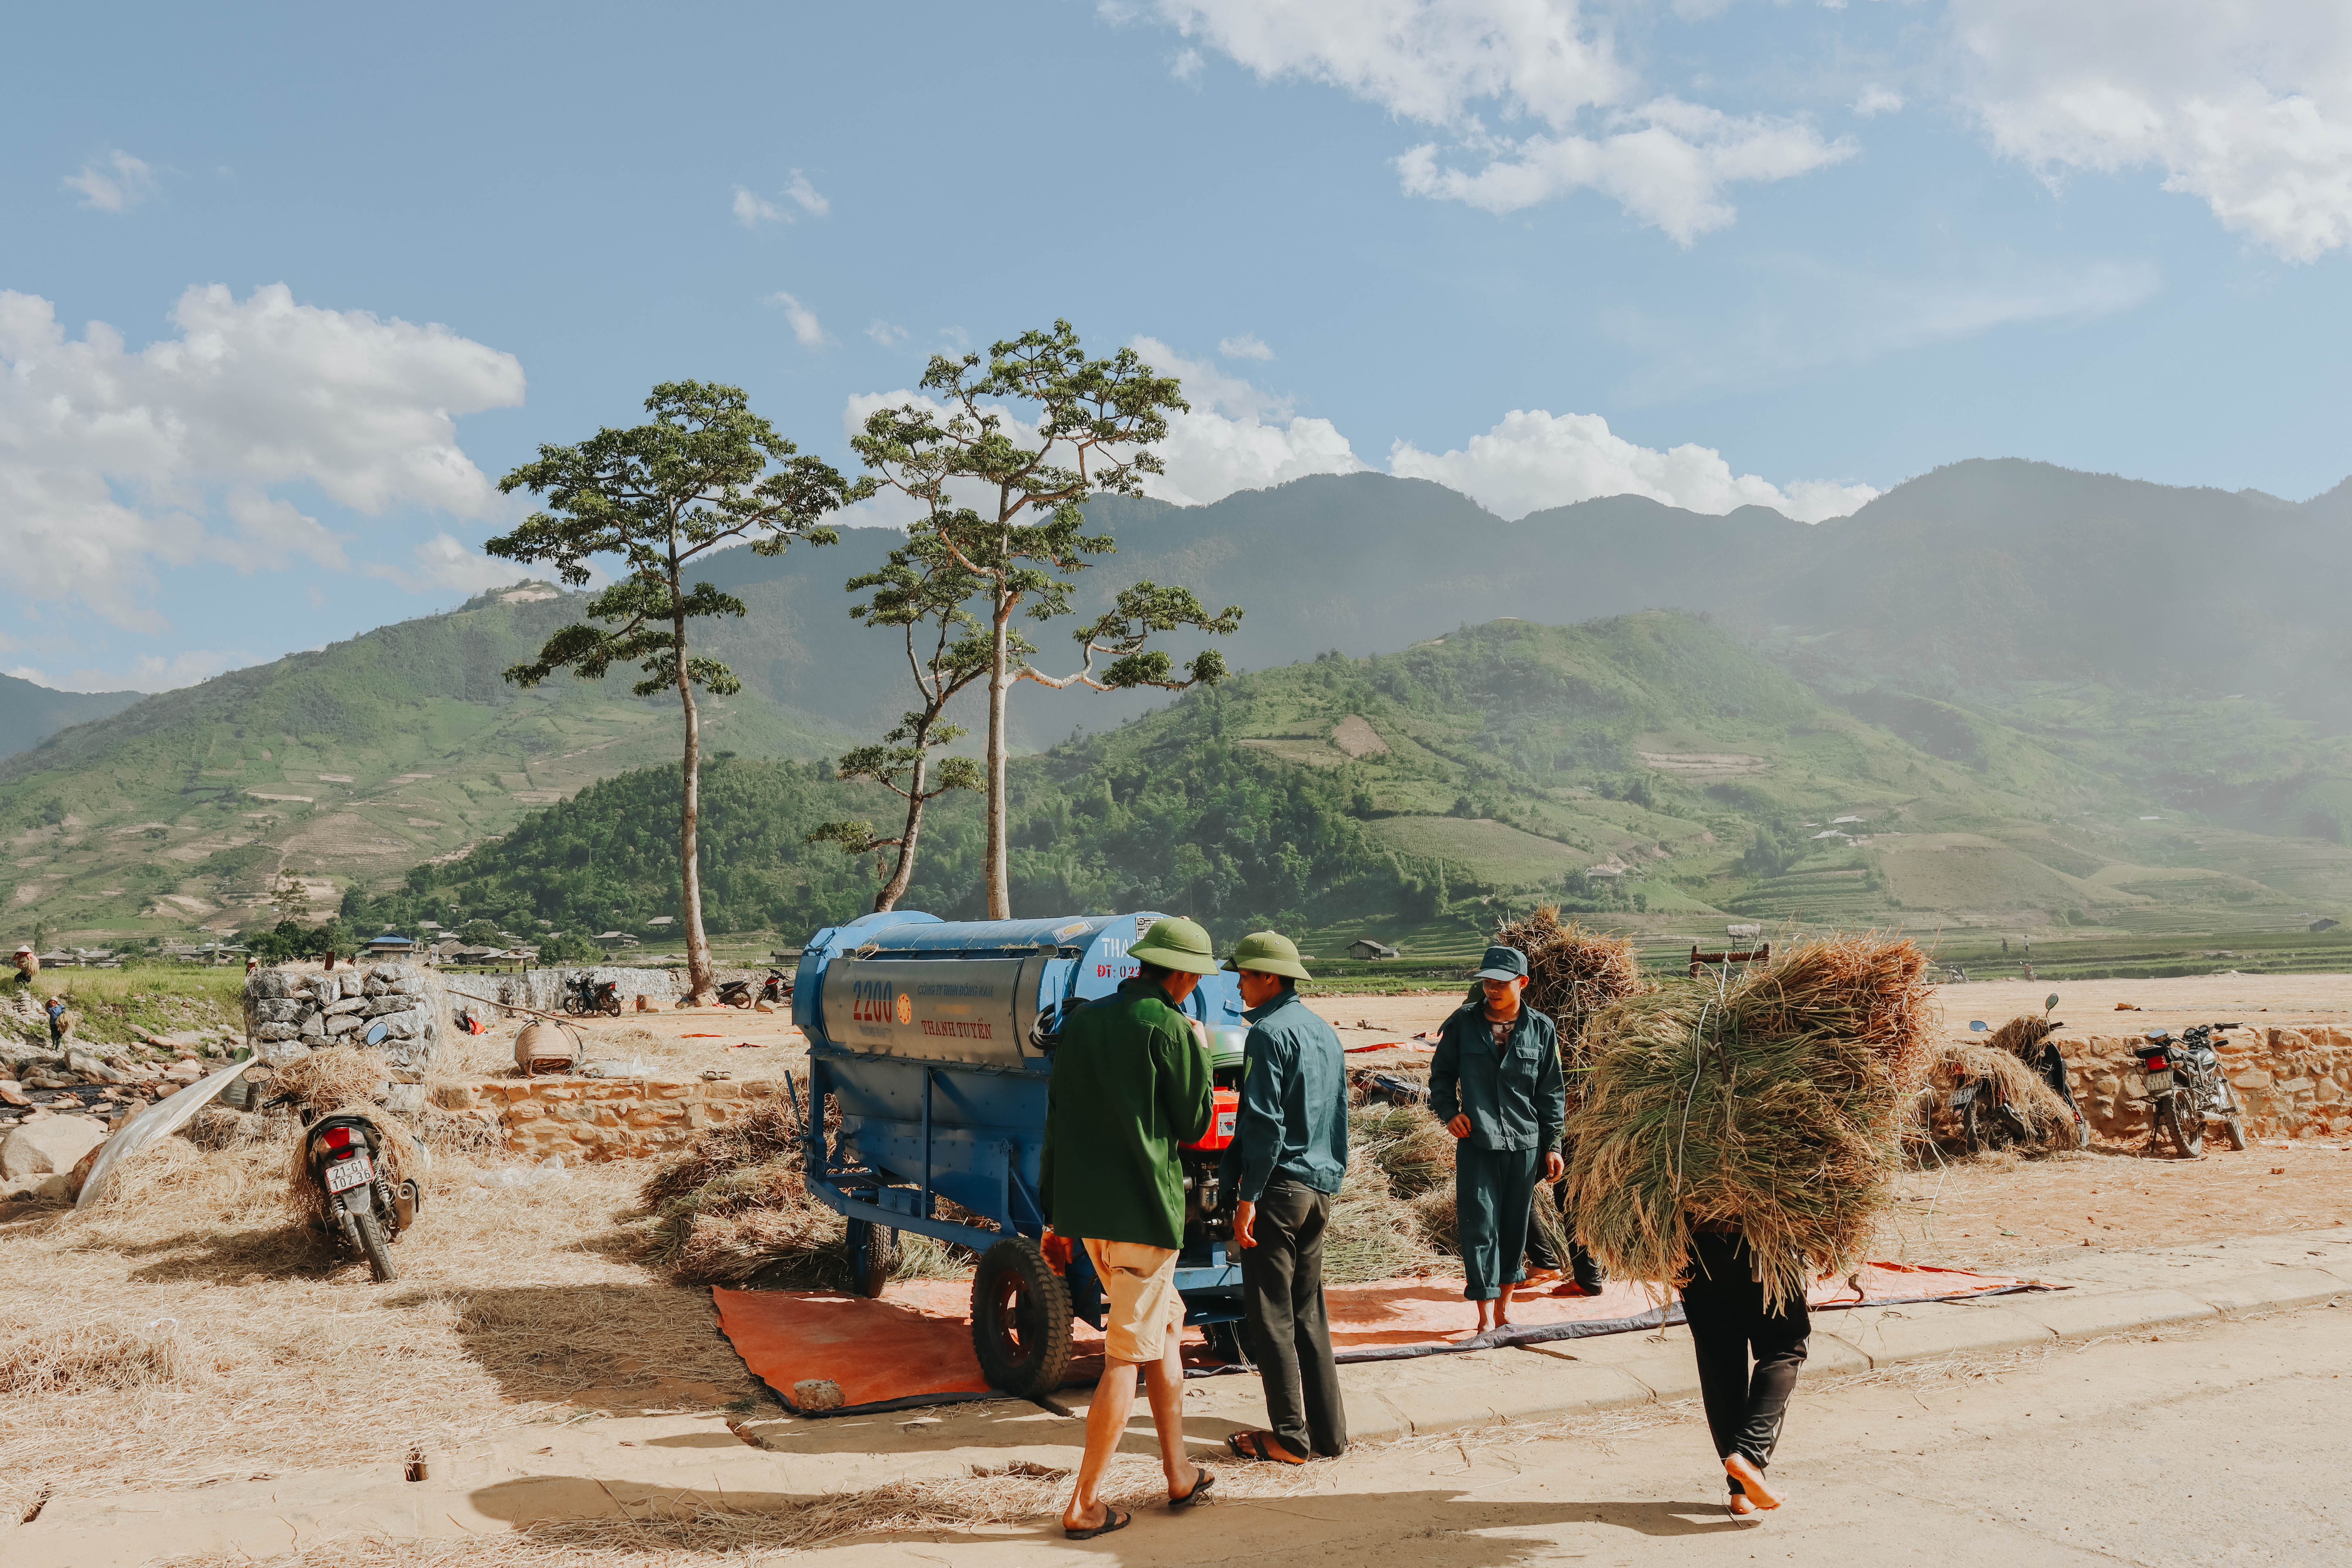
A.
pixel 1228 1341
pixel 2184 1124
pixel 1020 1320
pixel 2235 1127
pixel 379 1256
pixel 880 1251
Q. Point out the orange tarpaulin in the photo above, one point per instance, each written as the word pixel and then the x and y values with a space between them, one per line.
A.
pixel 914 1345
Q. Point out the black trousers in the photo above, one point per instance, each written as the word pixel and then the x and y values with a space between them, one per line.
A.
pixel 1289 1335
pixel 1724 1305
pixel 1580 1267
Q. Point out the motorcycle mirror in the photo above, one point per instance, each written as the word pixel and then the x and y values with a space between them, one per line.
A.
pixel 2050 1002
pixel 1977 1025
pixel 375 1036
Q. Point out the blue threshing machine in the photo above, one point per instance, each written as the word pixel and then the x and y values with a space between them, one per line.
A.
pixel 934 1041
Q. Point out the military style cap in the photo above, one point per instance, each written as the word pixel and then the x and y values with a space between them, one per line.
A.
pixel 1176 944
pixel 1271 951
pixel 1502 964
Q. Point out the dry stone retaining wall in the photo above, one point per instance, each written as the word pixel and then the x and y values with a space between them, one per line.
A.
pixel 600 1118
pixel 543 988
pixel 2293 1083
pixel 289 1013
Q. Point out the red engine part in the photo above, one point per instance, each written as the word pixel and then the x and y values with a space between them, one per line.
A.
pixel 1224 1112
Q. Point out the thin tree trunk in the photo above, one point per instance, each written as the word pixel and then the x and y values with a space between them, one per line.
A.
pixel 896 887
pixel 1000 893
pixel 698 989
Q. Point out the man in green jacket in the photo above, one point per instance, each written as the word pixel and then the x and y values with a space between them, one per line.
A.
pixel 1495 1083
pixel 1130 1086
pixel 1288 1156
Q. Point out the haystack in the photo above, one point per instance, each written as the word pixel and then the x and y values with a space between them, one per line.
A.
pixel 1774 1097
pixel 338 1075
pixel 1960 1061
pixel 1572 974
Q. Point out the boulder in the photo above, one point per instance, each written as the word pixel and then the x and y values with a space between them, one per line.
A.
pixel 12 1092
pixel 270 984
pixel 277 1010
pixel 389 1003
pixel 94 1070
pixel 185 1071
pixel 49 1146
pixel 268 1032
pixel 278 1052
pixel 405 1025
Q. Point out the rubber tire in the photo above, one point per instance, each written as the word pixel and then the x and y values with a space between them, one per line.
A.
pixel 379 1256
pixel 1020 1320
pixel 743 1001
pixel 881 1252
pixel 1973 1131
pixel 2235 1128
pixel 572 1007
pixel 612 1008
pixel 2185 1128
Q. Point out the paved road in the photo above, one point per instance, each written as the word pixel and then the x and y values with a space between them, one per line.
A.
pixel 2224 1444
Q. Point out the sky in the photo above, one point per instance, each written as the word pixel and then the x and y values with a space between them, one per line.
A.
pixel 285 289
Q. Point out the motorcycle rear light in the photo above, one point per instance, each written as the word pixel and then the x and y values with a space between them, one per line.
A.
pixel 2155 1064
pixel 338 1138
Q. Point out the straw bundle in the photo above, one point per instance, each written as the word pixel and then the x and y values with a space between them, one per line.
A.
pixel 2022 1037
pixel 399 1159
pixel 1960 1061
pixel 1375 1232
pixel 335 1076
pixel 1572 974
pixel 1773 1100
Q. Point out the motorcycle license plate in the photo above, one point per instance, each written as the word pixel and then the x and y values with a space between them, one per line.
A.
pixel 2159 1083
pixel 345 1174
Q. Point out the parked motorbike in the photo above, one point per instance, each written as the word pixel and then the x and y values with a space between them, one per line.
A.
pixel 777 988
pixel 345 1156
pixel 1988 1117
pixel 2185 1086
pixel 586 994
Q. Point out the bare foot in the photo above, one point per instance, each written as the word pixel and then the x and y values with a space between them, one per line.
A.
pixel 1741 1505
pixel 1074 1517
pixel 1750 1476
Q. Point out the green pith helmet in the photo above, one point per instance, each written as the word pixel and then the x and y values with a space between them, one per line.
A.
pixel 1176 944
pixel 1269 951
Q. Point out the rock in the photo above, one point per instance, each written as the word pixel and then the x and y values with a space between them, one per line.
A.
pixel 347 1005
pixel 94 1070
pixel 274 1010
pixel 818 1393
pixel 407 1026
pixel 12 1092
pixel 405 1099
pixel 277 1053
pixel 79 1177
pixel 270 984
pixel 49 1146
pixel 388 1003
pixel 184 1072
pixel 268 1032
pixel 342 1023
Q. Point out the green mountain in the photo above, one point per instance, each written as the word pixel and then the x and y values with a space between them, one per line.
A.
pixel 356 762
pixel 29 714
pixel 1650 766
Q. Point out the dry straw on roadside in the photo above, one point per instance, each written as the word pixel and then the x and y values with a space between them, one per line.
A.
pixel 1773 1098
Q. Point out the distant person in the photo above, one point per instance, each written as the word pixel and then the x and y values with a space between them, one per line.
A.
pixel 251 963
pixel 1288 1156
pixel 58 1022
pixel 1130 1086
pixel 1495 1083
pixel 28 964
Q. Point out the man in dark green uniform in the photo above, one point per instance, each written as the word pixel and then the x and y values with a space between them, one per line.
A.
pixel 1495 1083
pixel 1288 1155
pixel 1130 1086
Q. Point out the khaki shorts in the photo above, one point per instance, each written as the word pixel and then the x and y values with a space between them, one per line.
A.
pixel 1144 1308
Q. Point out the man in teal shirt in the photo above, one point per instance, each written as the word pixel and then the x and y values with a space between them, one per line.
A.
pixel 1288 1156
pixel 1495 1083
pixel 1130 1086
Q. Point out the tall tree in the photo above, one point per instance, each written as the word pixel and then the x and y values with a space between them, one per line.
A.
pixel 922 590
pixel 696 477
pixel 1040 432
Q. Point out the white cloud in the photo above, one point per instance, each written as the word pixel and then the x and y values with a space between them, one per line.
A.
pixel 1438 63
pixel 806 329
pixel 154 673
pixel 122 183
pixel 112 461
pixel 442 561
pixel 807 195
pixel 1187 65
pixel 884 333
pixel 1236 438
pixel 752 210
pixel 1667 165
pixel 1249 345
pixel 2246 106
pixel 1876 100
pixel 1535 460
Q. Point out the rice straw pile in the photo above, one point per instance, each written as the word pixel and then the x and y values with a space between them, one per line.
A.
pixel 338 1075
pixel 1377 1228
pixel 1572 973
pixel 2010 1058
pixel 401 1158
pixel 1774 1097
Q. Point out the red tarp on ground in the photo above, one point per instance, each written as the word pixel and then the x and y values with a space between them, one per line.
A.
pixel 914 1345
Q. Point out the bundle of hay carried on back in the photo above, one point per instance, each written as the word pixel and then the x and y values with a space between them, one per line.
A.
pixel 1775 1098
pixel 345 1080
pixel 1572 974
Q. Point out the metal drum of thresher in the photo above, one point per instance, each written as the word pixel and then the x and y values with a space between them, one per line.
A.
pixel 930 1049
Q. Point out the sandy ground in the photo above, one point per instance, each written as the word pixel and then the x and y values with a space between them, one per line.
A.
pixel 745 1043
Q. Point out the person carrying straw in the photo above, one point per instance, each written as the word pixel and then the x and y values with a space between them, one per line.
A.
pixel 1724 1303
pixel 1495 1083
pixel 1288 1156
pixel 1131 1085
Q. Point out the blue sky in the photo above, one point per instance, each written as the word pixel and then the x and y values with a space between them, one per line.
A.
pixel 351 264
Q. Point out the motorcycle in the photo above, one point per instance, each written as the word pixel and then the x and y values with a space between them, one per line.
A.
pixel 1987 1117
pixel 344 1155
pixel 2184 1084
pixel 586 994
pixel 778 987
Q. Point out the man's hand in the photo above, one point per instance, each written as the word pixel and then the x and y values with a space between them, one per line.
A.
pixel 1244 1217
pixel 1554 1167
pixel 1459 1126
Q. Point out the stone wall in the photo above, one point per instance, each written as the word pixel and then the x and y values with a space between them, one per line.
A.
pixel 2293 1083
pixel 291 1012
pixel 600 1118
pixel 543 988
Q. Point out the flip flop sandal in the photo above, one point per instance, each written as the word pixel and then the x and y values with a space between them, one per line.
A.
pixel 1112 1519
pixel 1253 1445
pixel 1200 1489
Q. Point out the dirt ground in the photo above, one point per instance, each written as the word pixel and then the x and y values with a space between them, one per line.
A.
pixel 745 1043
